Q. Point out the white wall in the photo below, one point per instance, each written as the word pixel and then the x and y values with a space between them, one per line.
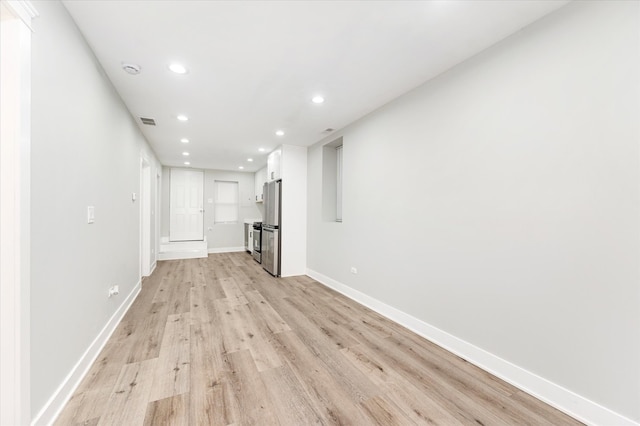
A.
pixel 221 236
pixel 85 151
pixel 500 203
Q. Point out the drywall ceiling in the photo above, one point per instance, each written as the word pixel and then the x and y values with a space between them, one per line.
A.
pixel 253 67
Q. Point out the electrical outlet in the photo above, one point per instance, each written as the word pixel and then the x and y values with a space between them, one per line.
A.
pixel 354 270
pixel 114 291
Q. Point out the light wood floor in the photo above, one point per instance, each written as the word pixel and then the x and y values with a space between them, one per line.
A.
pixel 218 341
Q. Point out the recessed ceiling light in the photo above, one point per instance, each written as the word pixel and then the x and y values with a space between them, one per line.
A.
pixel 184 140
pixel 182 117
pixel 131 68
pixel 317 99
pixel 186 163
pixel 241 167
pixel 279 133
pixel 186 154
pixel 250 159
pixel 261 149
pixel 178 68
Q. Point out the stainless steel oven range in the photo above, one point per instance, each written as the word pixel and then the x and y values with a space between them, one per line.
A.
pixel 257 241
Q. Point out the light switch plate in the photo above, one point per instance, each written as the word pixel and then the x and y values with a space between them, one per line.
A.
pixel 133 196
pixel 210 200
pixel 91 214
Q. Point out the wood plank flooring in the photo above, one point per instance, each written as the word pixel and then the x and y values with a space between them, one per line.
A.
pixel 218 341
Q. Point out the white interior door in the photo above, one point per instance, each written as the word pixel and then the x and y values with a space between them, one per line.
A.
pixel 186 212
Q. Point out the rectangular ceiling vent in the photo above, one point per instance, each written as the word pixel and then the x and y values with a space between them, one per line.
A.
pixel 148 121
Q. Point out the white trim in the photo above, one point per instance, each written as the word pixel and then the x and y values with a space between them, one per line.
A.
pixel 157 218
pixel 23 9
pixel 226 249
pixel 563 399
pixel 153 267
pixel 15 211
pixel 61 396
pixel 144 198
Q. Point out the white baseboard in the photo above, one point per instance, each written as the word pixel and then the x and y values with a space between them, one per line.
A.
pixel 226 249
pixel 61 396
pixel 153 267
pixel 563 399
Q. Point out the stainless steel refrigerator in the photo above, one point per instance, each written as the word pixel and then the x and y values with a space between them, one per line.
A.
pixel 271 227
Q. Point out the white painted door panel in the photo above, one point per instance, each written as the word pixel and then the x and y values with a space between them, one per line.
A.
pixel 186 211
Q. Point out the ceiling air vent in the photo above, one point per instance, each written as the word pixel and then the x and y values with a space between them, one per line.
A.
pixel 148 121
pixel 328 130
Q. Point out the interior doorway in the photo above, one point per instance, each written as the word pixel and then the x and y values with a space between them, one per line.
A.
pixel 156 214
pixel 145 217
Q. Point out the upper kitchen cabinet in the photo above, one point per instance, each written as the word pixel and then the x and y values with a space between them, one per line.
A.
pixel 261 179
pixel 274 165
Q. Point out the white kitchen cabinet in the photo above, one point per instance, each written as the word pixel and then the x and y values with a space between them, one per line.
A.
pixel 274 165
pixel 260 178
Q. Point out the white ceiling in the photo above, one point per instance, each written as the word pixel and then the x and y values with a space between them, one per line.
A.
pixel 254 66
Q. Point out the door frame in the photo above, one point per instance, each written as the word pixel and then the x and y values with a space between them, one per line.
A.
pixel 157 217
pixel 15 212
pixel 145 216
